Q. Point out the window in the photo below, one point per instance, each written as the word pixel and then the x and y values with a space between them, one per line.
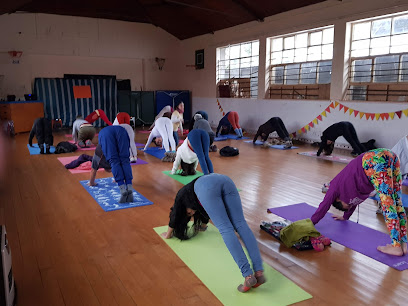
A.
pixel 301 61
pixel 237 70
pixel 378 67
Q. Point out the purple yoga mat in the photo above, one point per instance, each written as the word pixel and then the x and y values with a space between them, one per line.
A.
pixel 350 234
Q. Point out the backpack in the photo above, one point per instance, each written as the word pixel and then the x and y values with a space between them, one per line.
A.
pixel 229 151
pixel 65 147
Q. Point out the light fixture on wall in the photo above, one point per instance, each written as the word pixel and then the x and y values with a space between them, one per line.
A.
pixel 160 62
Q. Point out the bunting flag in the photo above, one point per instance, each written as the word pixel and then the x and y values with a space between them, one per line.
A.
pixel 220 108
pixel 333 105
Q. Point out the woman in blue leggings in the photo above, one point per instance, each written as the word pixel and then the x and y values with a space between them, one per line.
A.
pixel 215 196
pixel 115 143
pixel 200 144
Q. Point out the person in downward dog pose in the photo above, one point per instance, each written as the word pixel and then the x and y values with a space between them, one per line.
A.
pixel 193 150
pixel 215 196
pixel 228 122
pixel 377 169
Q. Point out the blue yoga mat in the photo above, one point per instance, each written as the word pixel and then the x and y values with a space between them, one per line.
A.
pixel 352 235
pixel 220 138
pixel 404 198
pixel 36 150
pixel 279 147
pixel 107 195
pixel 155 151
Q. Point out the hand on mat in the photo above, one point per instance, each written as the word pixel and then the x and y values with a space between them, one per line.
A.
pixel 203 227
pixel 133 159
pixel 338 218
pixel 92 184
pixel 166 236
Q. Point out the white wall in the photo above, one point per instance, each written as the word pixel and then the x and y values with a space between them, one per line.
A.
pixel 53 45
pixel 296 113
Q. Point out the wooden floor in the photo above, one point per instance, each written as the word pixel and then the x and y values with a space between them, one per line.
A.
pixel 67 251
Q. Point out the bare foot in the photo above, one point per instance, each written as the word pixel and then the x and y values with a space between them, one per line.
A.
pixel 391 250
pixel 404 247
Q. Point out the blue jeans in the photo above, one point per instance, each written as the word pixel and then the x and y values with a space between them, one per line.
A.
pixel 115 143
pixel 219 196
pixel 200 141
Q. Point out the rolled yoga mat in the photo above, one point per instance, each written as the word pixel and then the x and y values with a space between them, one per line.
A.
pixel 348 233
pixel 106 194
pixel 279 147
pixel 335 158
pixel 209 259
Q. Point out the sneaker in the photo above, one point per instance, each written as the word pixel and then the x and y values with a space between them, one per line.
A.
pixel 41 150
pixel 325 187
pixel 248 283
pixel 88 143
pixel 288 144
pixel 260 279
pixel 81 144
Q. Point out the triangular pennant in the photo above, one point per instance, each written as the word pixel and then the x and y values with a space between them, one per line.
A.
pixel 307 127
pixel 319 117
pixel 392 115
pixel 382 115
pixel 299 131
pixel 223 113
pixel 372 116
pixel 377 116
pixel 293 135
pixel 303 130
pixel 405 111
pixel 367 115
pixel 399 113
pixel 340 107
pixel 328 109
pixel 351 111
pixel 335 104
pixel 361 114
pixel 315 121
pixel 356 113
pixel 345 109
pixel 324 114
pixel 331 105
pixel 311 124
pixel 386 116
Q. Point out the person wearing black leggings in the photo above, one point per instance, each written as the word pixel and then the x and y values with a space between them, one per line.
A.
pixel 345 129
pixel 270 126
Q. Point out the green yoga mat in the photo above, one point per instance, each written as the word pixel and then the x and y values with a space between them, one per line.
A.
pixel 208 257
pixel 185 179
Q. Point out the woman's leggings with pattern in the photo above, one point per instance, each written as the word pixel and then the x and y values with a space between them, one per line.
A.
pixel 382 168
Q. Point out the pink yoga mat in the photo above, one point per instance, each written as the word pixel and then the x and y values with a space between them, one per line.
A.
pixel 144 132
pixel 68 159
pixel 70 135
pixel 334 158
pixel 355 236
pixel 92 147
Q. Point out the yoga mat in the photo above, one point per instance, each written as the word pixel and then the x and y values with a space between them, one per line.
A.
pixel 404 199
pixel 183 179
pixel 335 158
pixel 220 138
pixel 155 151
pixel 92 147
pixel 70 135
pixel 144 132
pixel 35 150
pixel 405 182
pixel 209 259
pixel 68 159
pixel 279 147
pixel 107 195
pixel 235 137
pixel 350 234
pixel 139 144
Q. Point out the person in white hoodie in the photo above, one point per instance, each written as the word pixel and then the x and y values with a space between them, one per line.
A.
pixel 193 150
